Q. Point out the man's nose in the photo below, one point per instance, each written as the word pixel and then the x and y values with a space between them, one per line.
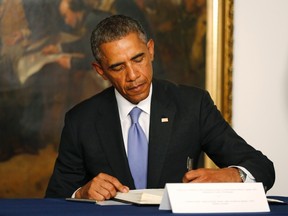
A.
pixel 132 73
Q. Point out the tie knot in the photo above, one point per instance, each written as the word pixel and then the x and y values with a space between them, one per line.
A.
pixel 134 114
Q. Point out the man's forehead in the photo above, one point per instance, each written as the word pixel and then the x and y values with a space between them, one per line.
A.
pixel 124 47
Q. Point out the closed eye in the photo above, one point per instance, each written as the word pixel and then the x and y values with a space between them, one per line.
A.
pixel 138 58
pixel 116 67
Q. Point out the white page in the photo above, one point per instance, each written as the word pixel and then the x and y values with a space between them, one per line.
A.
pixel 144 196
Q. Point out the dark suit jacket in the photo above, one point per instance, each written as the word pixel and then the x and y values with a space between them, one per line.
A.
pixel 92 141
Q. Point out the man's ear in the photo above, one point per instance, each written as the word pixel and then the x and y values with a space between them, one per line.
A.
pixel 98 68
pixel 150 45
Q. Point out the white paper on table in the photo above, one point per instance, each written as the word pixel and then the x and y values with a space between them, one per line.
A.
pixel 111 202
pixel 214 198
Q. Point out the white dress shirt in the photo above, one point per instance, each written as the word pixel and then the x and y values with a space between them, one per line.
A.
pixel 124 108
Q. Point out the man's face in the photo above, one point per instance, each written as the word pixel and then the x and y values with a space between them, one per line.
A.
pixel 127 64
pixel 69 16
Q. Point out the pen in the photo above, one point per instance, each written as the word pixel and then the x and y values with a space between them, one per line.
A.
pixel 189 163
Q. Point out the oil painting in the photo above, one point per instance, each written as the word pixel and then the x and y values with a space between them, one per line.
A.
pixel 45 69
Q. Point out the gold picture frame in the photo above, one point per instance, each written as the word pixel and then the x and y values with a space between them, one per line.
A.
pixel 219 57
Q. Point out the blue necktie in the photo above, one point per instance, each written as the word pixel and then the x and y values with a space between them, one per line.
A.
pixel 137 150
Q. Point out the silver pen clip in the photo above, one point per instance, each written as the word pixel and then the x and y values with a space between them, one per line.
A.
pixel 189 163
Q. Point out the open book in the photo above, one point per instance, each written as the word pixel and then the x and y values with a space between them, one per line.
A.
pixel 141 197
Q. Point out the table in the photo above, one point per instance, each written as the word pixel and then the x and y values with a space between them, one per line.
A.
pixel 62 207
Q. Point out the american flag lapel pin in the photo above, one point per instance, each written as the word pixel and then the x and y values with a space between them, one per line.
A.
pixel 164 119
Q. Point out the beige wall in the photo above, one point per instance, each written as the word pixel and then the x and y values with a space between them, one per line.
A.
pixel 260 81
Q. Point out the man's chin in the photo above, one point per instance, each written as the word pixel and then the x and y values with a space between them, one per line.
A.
pixel 135 99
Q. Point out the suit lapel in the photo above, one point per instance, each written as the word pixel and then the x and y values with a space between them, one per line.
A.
pixel 161 122
pixel 109 129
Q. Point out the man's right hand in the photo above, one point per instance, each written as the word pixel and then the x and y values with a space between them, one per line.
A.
pixel 101 187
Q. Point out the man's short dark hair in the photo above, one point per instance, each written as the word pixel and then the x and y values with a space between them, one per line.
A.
pixel 114 28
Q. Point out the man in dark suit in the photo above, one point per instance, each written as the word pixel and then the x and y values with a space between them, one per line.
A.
pixel 179 121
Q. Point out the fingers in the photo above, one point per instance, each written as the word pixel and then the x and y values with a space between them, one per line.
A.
pixel 192 176
pixel 211 175
pixel 113 181
pixel 101 187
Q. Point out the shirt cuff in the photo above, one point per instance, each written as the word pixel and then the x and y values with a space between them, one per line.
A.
pixel 249 177
pixel 74 194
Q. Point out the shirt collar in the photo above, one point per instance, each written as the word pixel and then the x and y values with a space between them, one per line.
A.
pixel 124 106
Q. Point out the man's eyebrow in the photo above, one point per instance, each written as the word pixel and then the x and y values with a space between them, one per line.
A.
pixel 138 55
